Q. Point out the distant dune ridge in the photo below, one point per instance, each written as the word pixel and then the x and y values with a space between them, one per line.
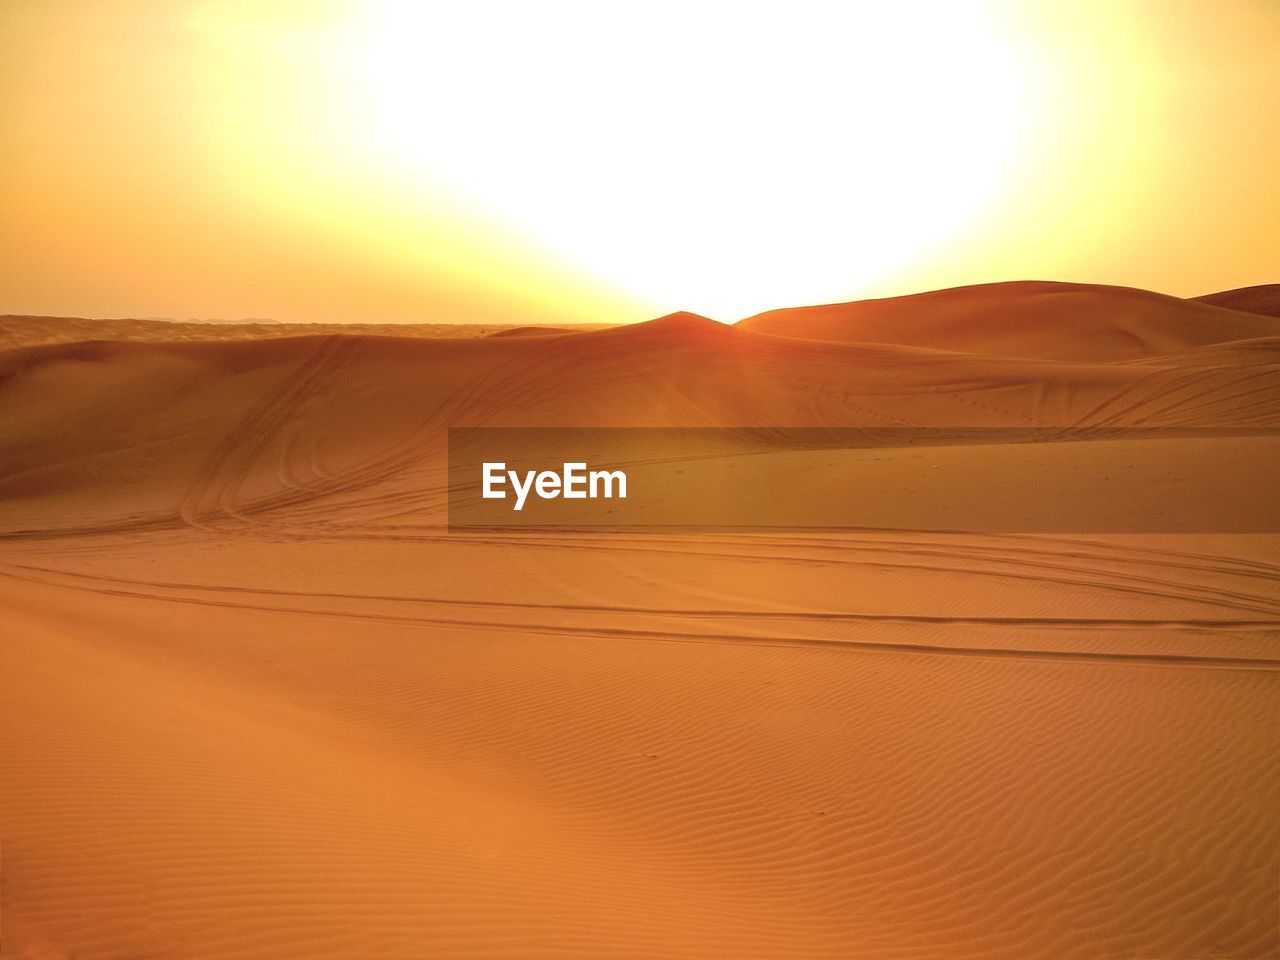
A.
pixel 1263 299
pixel 259 703
pixel 19 330
pixel 1020 318
pixel 1034 319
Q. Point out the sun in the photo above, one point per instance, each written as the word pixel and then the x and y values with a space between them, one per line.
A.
pixel 716 157
pixel 720 157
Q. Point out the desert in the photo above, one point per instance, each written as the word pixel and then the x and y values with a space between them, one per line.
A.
pixel 260 701
pixel 664 480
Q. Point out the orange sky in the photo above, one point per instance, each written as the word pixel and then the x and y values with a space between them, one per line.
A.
pixel 395 160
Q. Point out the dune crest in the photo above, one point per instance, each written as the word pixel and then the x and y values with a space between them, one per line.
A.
pixel 1262 299
pixel 1028 319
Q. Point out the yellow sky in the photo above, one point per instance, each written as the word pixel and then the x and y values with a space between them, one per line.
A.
pixel 574 160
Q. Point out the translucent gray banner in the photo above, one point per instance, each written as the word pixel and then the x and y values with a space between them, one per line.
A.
pixel 762 479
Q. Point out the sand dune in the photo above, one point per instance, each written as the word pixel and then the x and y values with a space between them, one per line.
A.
pixel 1052 321
pixel 1263 299
pixel 19 331
pixel 533 332
pixel 259 702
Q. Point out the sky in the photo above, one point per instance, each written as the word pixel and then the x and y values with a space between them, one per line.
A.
pixel 587 161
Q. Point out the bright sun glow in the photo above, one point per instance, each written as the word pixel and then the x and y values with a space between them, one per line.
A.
pixel 718 157
pixel 508 161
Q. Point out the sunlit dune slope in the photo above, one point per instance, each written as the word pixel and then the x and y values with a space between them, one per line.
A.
pixel 1263 299
pixel 1033 319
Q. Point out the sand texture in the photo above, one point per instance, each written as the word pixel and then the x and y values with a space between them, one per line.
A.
pixel 258 702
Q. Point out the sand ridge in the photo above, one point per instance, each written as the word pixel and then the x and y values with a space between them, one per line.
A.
pixel 1262 299
pixel 1049 320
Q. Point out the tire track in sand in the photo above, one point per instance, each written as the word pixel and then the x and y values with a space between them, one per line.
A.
pixel 228 465
pixel 669 636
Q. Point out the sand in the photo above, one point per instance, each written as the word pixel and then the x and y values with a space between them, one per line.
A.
pixel 1263 299
pixel 258 702
pixel 24 331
